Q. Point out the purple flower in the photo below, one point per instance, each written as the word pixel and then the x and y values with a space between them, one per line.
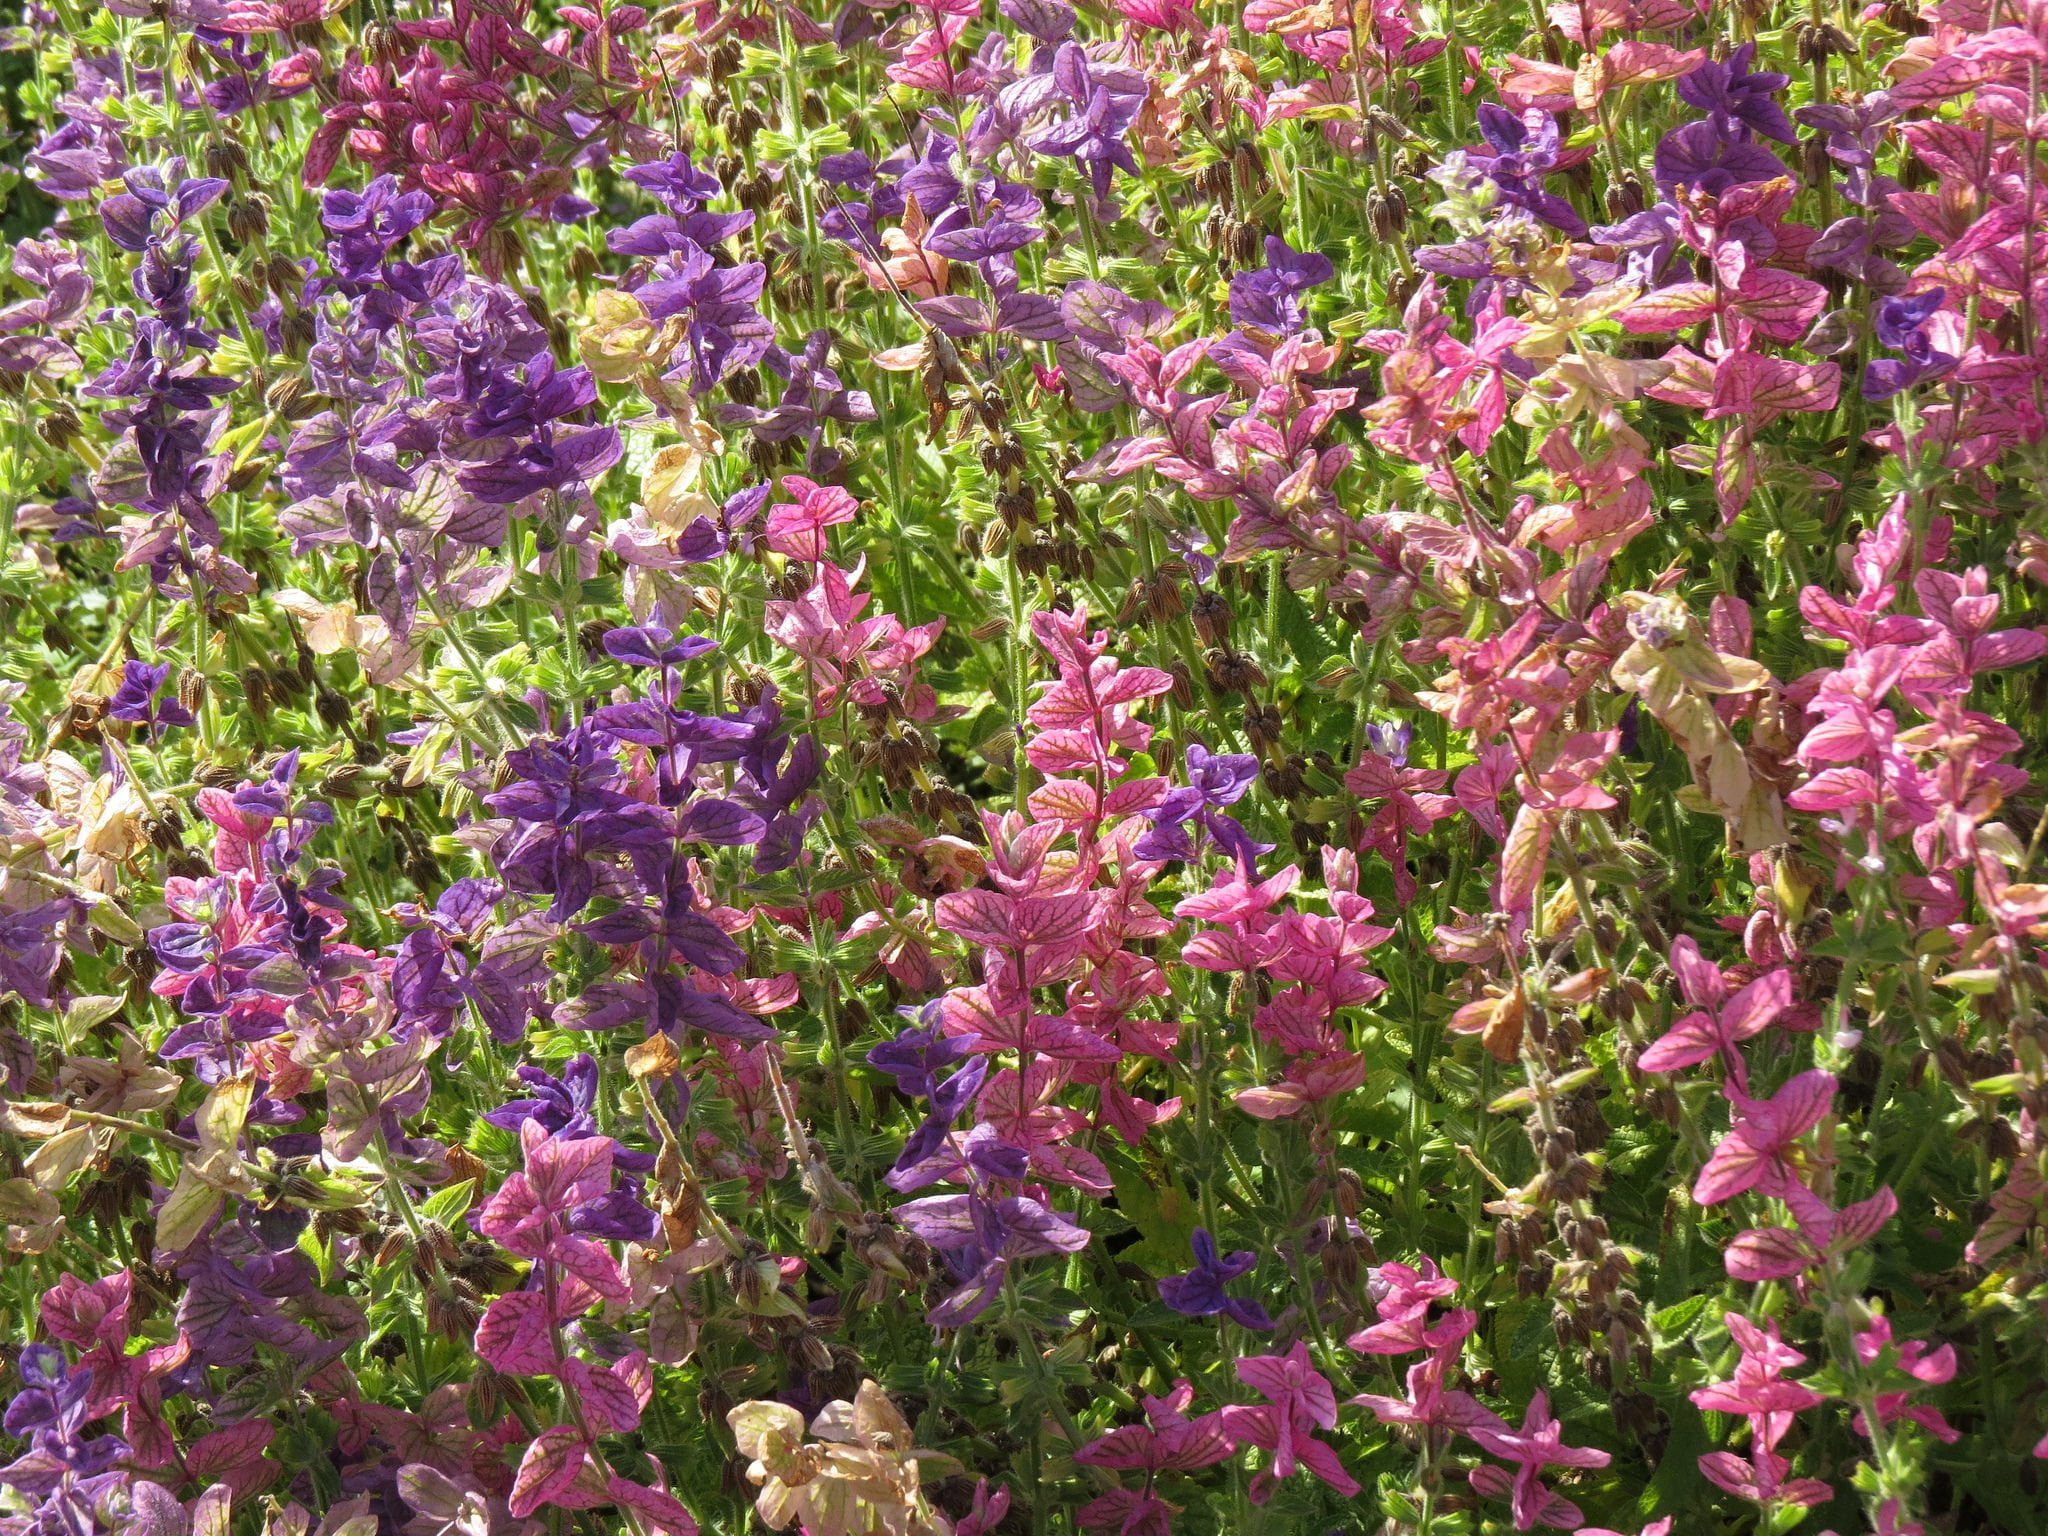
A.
pixel 1651 240
pixel 653 646
pixel 686 190
pixel 1702 156
pixel 54 268
pixel 70 1476
pixel 914 1058
pixel 1104 103
pixel 72 163
pixel 778 776
pixel 676 181
pixel 363 228
pixel 726 330
pixel 1901 324
pixel 917 1055
pixel 1046 21
pixel 1741 100
pixel 1269 299
pixel 930 179
pixel 1200 1293
pixel 960 240
pixel 1854 133
pixel 29 950
pixel 568 813
pixel 1215 780
pixel 523 411
pixel 980 1237
pixel 948 1100
pixel 813 394
pixel 1518 153
pixel 50 1413
pixel 564 1106
pixel 156 193
pixel 141 700
pixel 1391 741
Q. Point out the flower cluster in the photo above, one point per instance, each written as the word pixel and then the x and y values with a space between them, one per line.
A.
pixel 938 767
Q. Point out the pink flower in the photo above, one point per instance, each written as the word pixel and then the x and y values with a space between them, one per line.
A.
pixel 1300 1401
pixel 1760 1150
pixel 1759 1387
pixel 1719 1022
pixel 1160 15
pixel 1088 718
pixel 1169 1441
pixel 1933 1367
pixel 1429 1404
pixel 1774 1253
pixel 95 1318
pixel 1403 1297
pixel 1410 804
pixel 530 1213
pixel 1478 788
pixel 1760 1391
pixel 875 658
pixel 986 1513
pixel 797 529
pixel 1129 1512
pixel 1538 1444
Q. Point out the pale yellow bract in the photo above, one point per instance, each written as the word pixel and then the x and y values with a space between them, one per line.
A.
pixel 860 1477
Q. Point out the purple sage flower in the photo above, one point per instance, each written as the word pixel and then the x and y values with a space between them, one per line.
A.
pixel 1200 1293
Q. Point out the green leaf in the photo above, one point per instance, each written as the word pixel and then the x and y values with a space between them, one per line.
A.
pixel 1675 1323
pixel 450 1205
pixel 1308 644
pixel 1167 1215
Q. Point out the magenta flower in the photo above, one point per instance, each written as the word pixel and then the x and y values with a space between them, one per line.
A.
pixel 1430 1405
pixel 797 529
pixel 1300 1401
pixel 535 1212
pixel 1129 1512
pixel 1930 1367
pixel 1778 1253
pixel 1403 1297
pixel 1538 1444
pixel 1719 1023
pixel 1168 1440
pixel 986 1514
pixel 1760 1150
pixel 1760 1391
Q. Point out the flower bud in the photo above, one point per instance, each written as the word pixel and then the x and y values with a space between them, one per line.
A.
pixel 1625 197
pixel 1386 214
pixel 284 277
pixel 349 781
pixel 251 475
pixel 249 218
pixel 225 158
pixel 1833 334
pixel 58 425
pixel 1813 160
pixel 298 333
